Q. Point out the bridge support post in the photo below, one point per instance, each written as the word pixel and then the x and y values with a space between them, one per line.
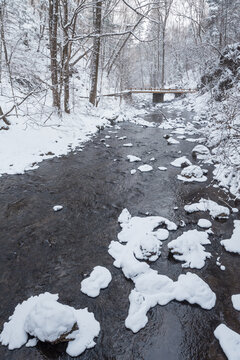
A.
pixel 158 98
pixel 127 97
pixel 177 95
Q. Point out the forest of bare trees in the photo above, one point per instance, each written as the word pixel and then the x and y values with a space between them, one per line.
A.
pixel 120 44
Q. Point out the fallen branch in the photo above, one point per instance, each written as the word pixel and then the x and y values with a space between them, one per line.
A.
pixel 15 106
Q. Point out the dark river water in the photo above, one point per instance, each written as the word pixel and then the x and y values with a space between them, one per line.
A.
pixel 46 251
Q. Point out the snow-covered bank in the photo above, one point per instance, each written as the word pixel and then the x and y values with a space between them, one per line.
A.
pixel 30 140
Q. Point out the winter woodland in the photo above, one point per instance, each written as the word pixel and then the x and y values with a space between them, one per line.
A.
pixel 120 179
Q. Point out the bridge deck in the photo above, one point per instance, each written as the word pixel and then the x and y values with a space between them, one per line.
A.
pixel 161 91
pixel 152 91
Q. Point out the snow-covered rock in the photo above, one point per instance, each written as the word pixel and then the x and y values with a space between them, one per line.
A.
pixel 216 211
pixel 189 247
pixel 133 171
pixel 152 288
pixel 233 244
pixel 128 145
pixel 172 141
pixel 99 279
pixel 142 241
pixel 204 223
pixel 229 341
pixel 133 158
pixel 45 318
pixel 57 207
pixel 236 301
pixel 145 168
pixel 49 320
pixel 200 152
pixel 162 168
pixel 192 173
pixel 181 162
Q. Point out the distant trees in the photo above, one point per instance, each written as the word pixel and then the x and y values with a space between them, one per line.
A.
pixel 119 43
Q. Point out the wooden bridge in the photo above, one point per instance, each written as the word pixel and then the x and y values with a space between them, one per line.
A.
pixel 158 94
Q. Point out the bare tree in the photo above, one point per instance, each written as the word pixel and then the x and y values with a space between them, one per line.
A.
pixel 97 22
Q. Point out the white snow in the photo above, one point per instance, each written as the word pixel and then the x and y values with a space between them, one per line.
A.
pixel 133 158
pixel 49 319
pixel 162 168
pixel 216 211
pixel 204 223
pixel 172 141
pixel 142 238
pixel 57 207
pixel 233 244
pixel 145 168
pixel 189 247
pixel 229 341
pixel 44 317
pixel 128 145
pixel 99 279
pixel 181 161
pixel 192 173
pixel 31 342
pixel 31 143
pixel 200 151
pixel 152 288
pixel 236 301
pixel 133 171
pixel 122 138
pixel 142 242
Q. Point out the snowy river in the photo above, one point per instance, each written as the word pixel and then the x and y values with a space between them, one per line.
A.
pixel 43 250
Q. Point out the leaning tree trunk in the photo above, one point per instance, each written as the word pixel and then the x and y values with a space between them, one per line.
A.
pixel 53 28
pixel 97 21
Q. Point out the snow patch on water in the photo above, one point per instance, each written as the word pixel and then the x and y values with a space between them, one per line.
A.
pixel 216 211
pixel 233 244
pixel 229 341
pixel 99 279
pixel 189 247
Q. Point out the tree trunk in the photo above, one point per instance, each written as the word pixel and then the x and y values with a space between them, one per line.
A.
pixel 163 57
pixel 97 20
pixel 66 57
pixel 53 28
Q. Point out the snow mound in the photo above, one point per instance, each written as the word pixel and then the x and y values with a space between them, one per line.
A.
pixel 133 158
pixel 133 171
pixel 233 244
pixel 236 301
pixel 145 168
pixel 200 152
pixel 48 320
pixel 142 241
pixel 172 141
pixel 44 317
pixel 99 279
pixel 204 223
pixel 229 341
pixel 192 173
pixel 190 246
pixel 57 208
pixel 128 145
pixel 152 288
pixel 162 168
pixel 181 162
pixel 216 211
